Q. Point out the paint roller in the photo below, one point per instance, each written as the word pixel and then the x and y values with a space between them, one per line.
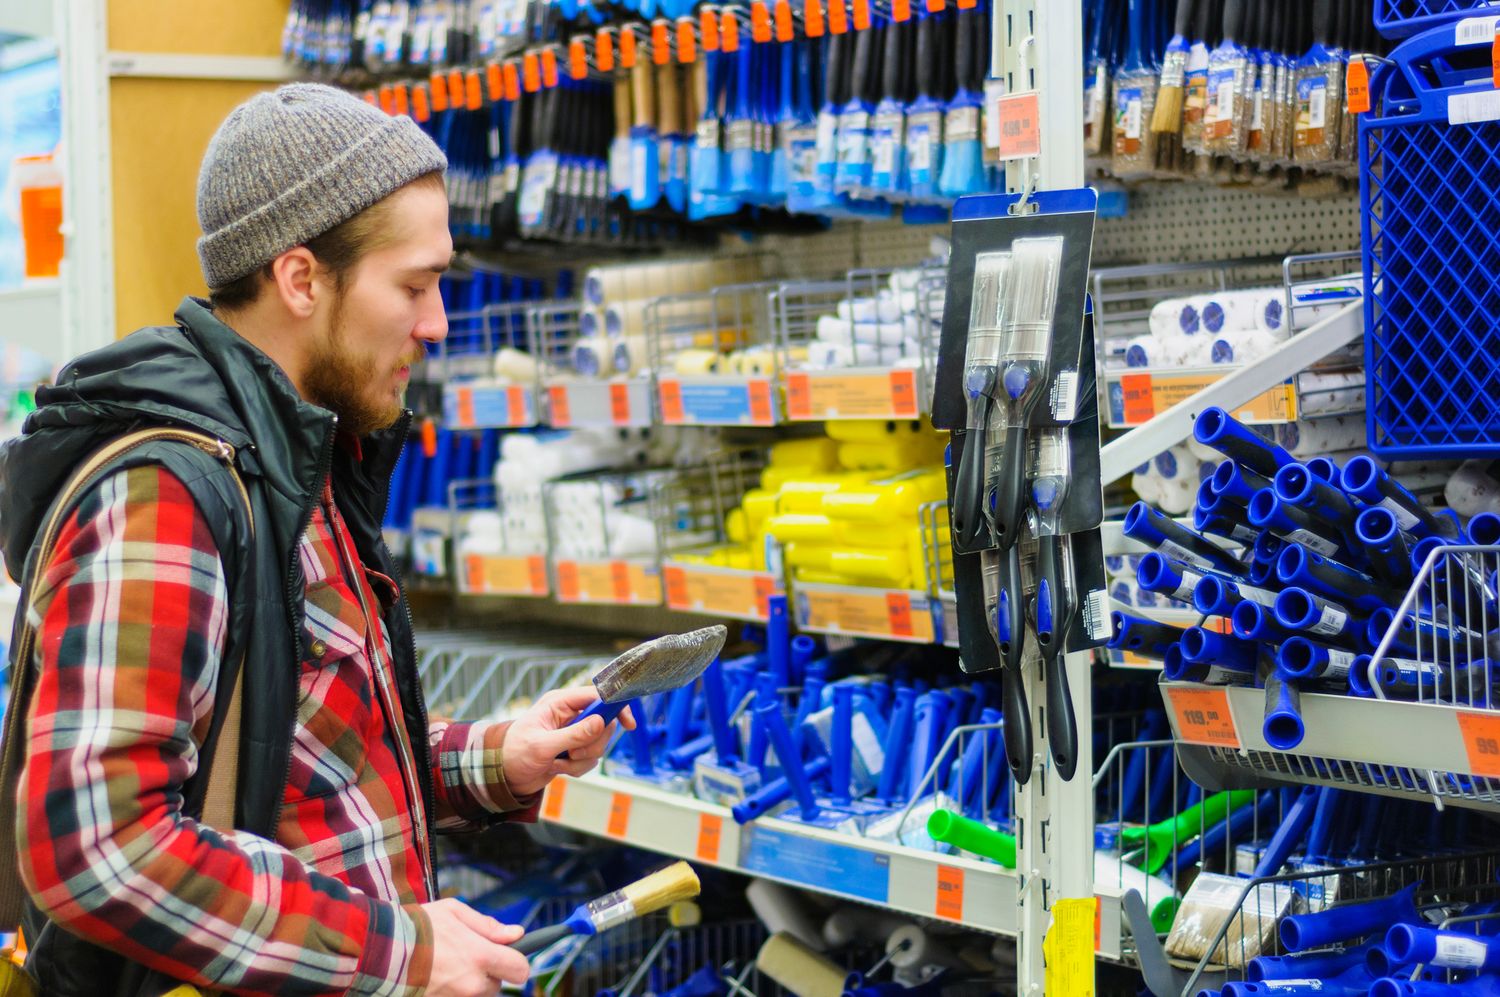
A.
pixel 801 970
pixel 785 912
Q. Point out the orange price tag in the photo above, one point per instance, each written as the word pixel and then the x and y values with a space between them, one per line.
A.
pixel 619 815
pixel 687 42
pixel 536 567
pixel 494 81
pixel 936 6
pixel 465 407
pixel 898 612
pixel 967 4
pixel 1020 125
pixel 760 402
pixel 619 404
pixel 661 42
pixel 1203 717
pixel 604 50
pixel 950 893
pixel 567 580
pixel 403 99
pixel 710 833
pixel 708 26
pixel 900 11
pixel 798 396
pixel 429 438
pixel 904 394
pixel 387 99
pixel 552 803
pixel 549 68
pixel 516 397
pixel 531 73
pixel 1495 59
pixel 455 89
pixel 619 580
pixel 558 396
pixel 474 572
pixel 578 59
pixel 783 21
pixel 677 587
pixel 838 17
pixel 861 15
pixel 760 22
pixel 729 29
pixel 671 402
pixel 764 589
pixel 1140 405
pixel 421 103
pixel 812 18
pixel 512 78
pixel 473 90
pixel 1357 86
pixel 627 48
pixel 1481 734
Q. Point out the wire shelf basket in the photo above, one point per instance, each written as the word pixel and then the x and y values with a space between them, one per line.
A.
pixel 1401 18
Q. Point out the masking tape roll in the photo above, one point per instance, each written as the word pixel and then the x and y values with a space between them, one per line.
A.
pixel 591 322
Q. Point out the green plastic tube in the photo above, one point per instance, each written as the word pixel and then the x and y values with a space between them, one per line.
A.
pixel 972 836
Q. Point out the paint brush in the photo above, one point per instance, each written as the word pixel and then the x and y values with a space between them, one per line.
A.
pixel 657 891
pixel 888 128
pixel 1135 103
pixel 660 665
pixel 963 156
pixel 645 151
pixel 1171 90
pixel 1319 85
pixel 852 171
pixel 924 115
pixel 1223 133
pixel 1195 101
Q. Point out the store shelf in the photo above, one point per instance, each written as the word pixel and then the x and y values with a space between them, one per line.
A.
pixel 855 393
pixel 614 581
pixel 582 404
pixel 488 406
pixel 850 611
pixel 432 531
pixel 717 400
pixel 503 574
pixel 1137 395
pixel 715 591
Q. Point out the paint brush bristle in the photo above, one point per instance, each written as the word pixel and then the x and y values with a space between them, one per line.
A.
pixel 660 665
pixel 661 889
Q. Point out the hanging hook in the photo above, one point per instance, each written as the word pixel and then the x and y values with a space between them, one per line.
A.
pixel 1023 75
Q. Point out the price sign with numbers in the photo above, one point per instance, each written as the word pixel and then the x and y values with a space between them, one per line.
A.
pixel 852 394
pixel 1203 717
pixel 1481 734
pixel 558 396
pixel 552 803
pixel 619 404
pixel 1020 125
pixel 710 835
pixel 618 824
pixel 950 893
pixel 1137 398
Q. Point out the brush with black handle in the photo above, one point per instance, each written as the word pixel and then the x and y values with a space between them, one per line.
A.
pixel 1054 605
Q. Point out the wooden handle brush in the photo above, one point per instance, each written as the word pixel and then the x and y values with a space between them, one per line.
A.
pixel 661 889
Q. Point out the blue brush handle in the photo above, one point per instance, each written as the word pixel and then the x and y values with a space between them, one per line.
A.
pixel 803 649
pixel 810 703
pixel 640 741
pixel 680 715
pixel 897 742
pixel 774 792
pixel 1289 834
pixel 726 745
pixel 1239 822
pixel 1296 565
pixel 683 757
pixel 967 777
pixel 842 748
pixel 778 642
pixel 610 712
pixel 768 716
pixel 931 727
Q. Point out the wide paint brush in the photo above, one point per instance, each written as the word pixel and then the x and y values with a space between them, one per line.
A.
pixel 888 127
pixel 1167 117
pixel 852 172
pixel 660 665
pixel 963 156
pixel 659 890
pixel 1096 82
pixel 1134 104
pixel 924 115
pixel 645 150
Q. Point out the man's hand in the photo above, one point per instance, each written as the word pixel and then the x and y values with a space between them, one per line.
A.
pixel 540 744
pixel 470 957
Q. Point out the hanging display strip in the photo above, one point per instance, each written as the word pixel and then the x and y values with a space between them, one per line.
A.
pixel 599 404
pixel 813 396
pixel 714 591
pixel 477 406
pixel 1135 399
pixel 500 574
pixel 717 401
pixel 887 614
pixel 613 582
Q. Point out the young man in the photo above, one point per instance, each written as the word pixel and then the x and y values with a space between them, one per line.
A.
pixel 325 232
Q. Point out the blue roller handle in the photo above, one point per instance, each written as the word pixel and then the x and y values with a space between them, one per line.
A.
pixel 1316 966
pixel 1283 728
pixel 766 689
pixel 809 703
pixel 1269 512
pixel 1216 428
pixel 1236 484
pixel 768 715
pixel 640 741
pixel 775 792
pixel 803 649
pixel 1480 986
pixel 1320 836
pixel 1164 534
pixel 1254 622
pixel 1240 822
pixel 1292 830
pixel 1143 636
pixel 680 715
pixel 683 757
pixel 1410 943
pixel 1356 984
pixel 726 745
pixel 897 742
pixel 610 711
pixel 1297 485
pixel 1365 480
pixel 1201 646
pixel 778 641
pixel 1296 565
pixel 931 718
pixel 967 777
pixel 843 744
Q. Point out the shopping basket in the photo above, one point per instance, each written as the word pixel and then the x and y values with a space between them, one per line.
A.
pixel 1400 18
pixel 1430 206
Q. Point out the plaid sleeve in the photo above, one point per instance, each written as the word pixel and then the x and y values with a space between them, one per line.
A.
pixel 131 614
pixel 470 777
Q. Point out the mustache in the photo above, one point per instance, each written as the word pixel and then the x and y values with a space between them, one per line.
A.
pixel 412 359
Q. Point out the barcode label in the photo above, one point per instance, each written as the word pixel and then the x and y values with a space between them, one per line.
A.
pixel 1460 953
pixel 1259 596
pixel 1339 663
pixel 1132 99
pixel 1258 111
pixel 1312 541
pixel 1190 581
pixel 1065 396
pixel 1330 622
pixel 1177 552
pixel 1096 615
pixel 1475 31
pixel 1404 516
pixel 1317 107
pixel 1471 108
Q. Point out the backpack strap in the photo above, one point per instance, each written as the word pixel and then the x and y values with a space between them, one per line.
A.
pixel 223 775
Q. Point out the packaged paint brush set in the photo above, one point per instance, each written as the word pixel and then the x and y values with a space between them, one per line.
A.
pixel 1015 383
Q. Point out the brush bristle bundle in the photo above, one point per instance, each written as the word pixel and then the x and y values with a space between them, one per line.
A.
pixel 1168 114
pixel 660 665
pixel 676 882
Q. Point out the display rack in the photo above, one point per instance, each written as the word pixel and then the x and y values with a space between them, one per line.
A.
pixel 475 394
pixel 594 560
pixel 516 569
pixel 602 398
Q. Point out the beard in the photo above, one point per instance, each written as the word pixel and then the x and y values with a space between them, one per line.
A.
pixel 351 384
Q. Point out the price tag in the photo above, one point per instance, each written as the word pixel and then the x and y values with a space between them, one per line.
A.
pixel 898 611
pixel 760 402
pixel 900 11
pixel 387 99
pixel 798 397
pixel 474 572
pixel 1069 954
pixel 403 99
pixel 861 15
pixel 783 21
pixel 1481 734
pixel 557 395
pixel 764 589
pixel 1140 397
pixel 531 72
pixel 421 106
pixel 429 436
pixel 1495 59
pixel 627 48
pixel 604 50
pixel 512 77
pixel 465 407
pixel 812 18
pixel 567 581
pixel 1020 125
pixel 473 91
pixel 671 402
pixel 950 893
pixel 760 22
pixel 619 404
pixel 619 815
pixel 1358 87
pixel 838 17
pixel 1203 717
pixel 537 568
pixel 661 45
pixel 516 400
pixel 904 394
pixel 494 81
pixel 710 834
pixel 678 594
pixel 708 26
pixel 552 802
pixel 687 42
pixel 619 580
pixel 578 59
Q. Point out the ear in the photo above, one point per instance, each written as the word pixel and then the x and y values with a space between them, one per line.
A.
pixel 294 274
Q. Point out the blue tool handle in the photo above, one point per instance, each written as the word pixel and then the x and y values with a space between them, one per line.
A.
pixel 1267 511
pixel 1234 483
pixel 1203 646
pixel 1297 609
pixel 897 742
pixel 842 748
pixel 1293 828
pixel 1252 621
pixel 640 741
pixel 1330 802
pixel 610 711
pixel 1349 922
pixel 969 777
pixel 803 649
pixel 995 801
pixel 778 641
pixel 1164 534
pixel 1297 485
pixel 1304 568
pixel 1018 736
pixel 928 726
pixel 680 715
pixel 808 704
pixel 1315 966
pixel 1142 636
pixel 1216 428
pixel 726 745
pixel 964 708
pixel 1283 728
pixel 768 715
pixel 1010 610
pixel 775 792
pixel 683 756
pixel 1367 481
pixel 1240 821
pixel 1054 617
pixel 1158 573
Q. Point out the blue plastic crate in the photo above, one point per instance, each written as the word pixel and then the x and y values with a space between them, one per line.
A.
pixel 1401 18
pixel 1430 200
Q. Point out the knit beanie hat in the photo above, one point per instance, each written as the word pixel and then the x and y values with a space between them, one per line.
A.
pixel 288 165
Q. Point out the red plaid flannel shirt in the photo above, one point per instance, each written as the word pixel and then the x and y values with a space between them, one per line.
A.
pixel 131 614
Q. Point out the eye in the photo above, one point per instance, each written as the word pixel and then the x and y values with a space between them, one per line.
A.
pixel 416 292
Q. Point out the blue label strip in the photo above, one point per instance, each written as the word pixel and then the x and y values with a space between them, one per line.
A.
pixel 820 864
pixel 716 404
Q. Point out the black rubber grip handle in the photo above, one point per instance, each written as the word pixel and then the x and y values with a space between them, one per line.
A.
pixel 1234 19
pixel 1008 485
pixel 1012 606
pixel 927 59
pixel 1183 21
pixel 891 88
pixel 865 47
pixel 971 525
pixel 963 50
pixel 1322 21
pixel 833 72
pixel 1062 724
pixel 534 941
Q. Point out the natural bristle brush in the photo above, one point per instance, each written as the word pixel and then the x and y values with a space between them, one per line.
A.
pixel 987 334
pixel 661 889
pixel 963 156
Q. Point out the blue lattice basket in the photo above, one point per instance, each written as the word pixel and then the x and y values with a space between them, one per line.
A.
pixel 1400 18
pixel 1430 200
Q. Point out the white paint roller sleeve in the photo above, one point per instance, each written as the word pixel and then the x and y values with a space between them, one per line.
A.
pixel 833 329
pixel 1174 317
pixel 784 911
pixel 513 366
pixel 591 357
pixel 629 355
pixel 1241 346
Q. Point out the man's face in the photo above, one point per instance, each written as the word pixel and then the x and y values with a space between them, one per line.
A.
pixel 389 310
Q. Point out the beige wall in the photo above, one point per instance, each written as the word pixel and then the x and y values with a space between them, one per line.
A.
pixel 159 129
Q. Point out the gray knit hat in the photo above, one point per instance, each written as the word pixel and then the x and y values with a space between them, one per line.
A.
pixel 289 165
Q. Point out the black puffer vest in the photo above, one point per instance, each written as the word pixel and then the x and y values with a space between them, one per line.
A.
pixel 201 375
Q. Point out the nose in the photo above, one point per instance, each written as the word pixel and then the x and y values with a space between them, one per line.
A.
pixel 432 327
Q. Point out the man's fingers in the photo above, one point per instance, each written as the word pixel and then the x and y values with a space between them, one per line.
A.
pixel 574 767
pixel 484 926
pixel 506 965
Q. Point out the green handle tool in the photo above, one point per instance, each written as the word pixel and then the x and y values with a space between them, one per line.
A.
pixel 1164 837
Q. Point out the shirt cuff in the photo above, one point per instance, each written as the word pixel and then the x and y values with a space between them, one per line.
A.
pixel 471 770
pixel 398 953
